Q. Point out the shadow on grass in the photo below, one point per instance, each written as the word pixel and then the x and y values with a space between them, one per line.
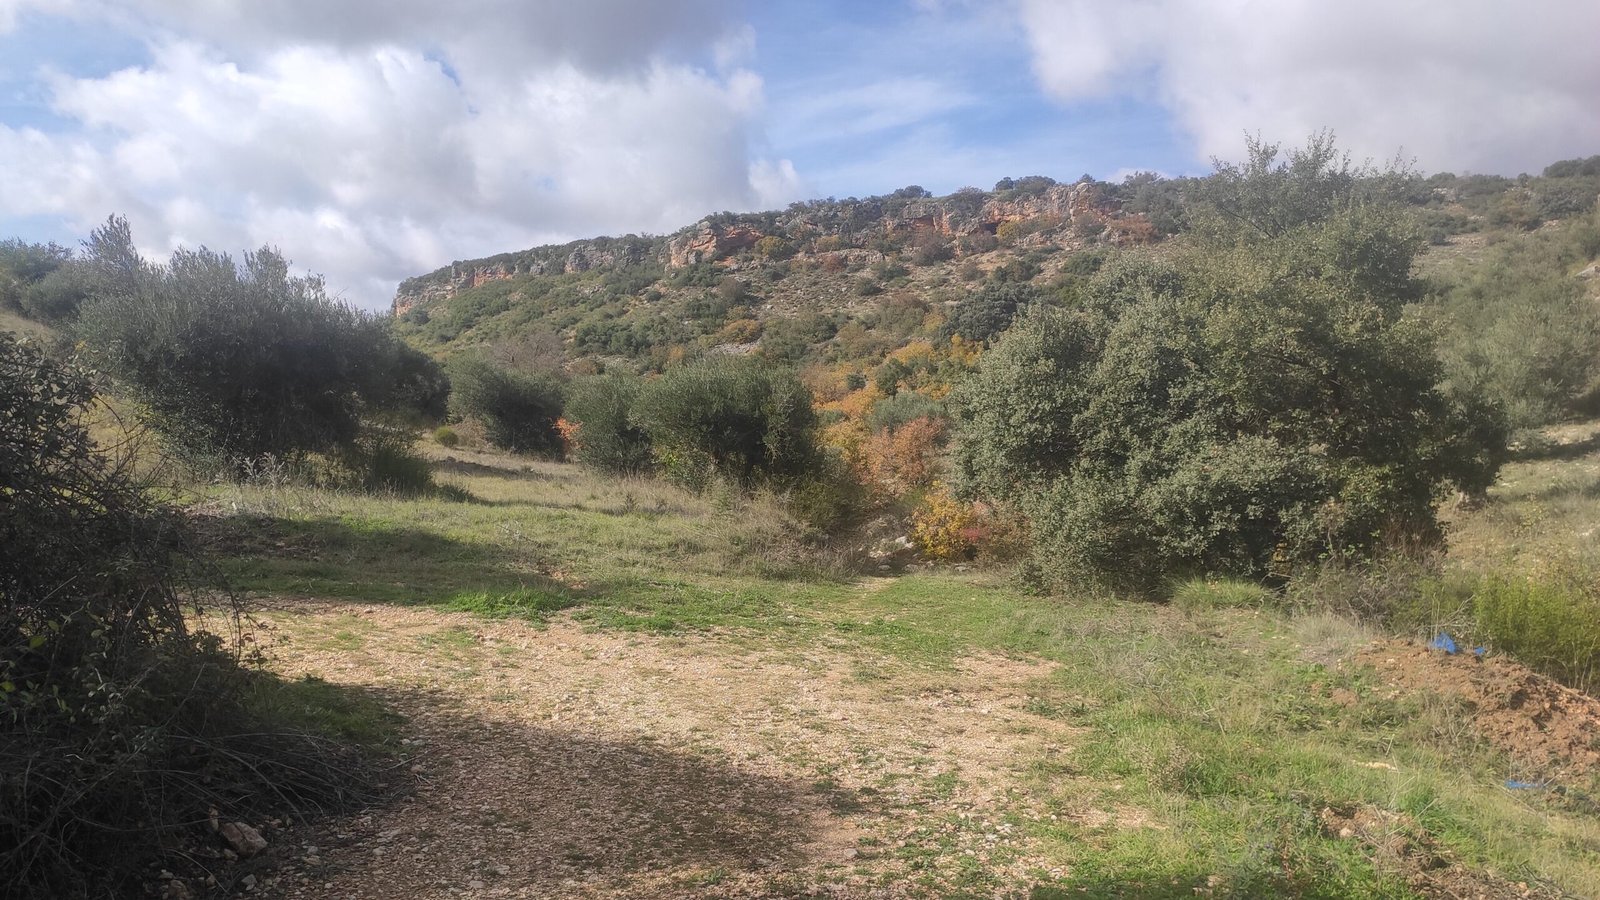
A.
pixel 1567 489
pixel 364 562
pixel 339 559
pixel 1553 451
pixel 554 805
pixel 456 466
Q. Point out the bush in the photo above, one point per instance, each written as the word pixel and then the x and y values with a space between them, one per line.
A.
pixel 58 296
pixel 734 418
pixel 607 437
pixel 829 496
pixel 943 527
pixel 518 410
pixel 903 408
pixel 120 726
pixel 243 361
pixel 23 266
pixel 904 458
pixel 445 436
pixel 1550 622
pixel 931 250
pixel 1518 325
pixel 988 311
pixel 1265 404
pixel 384 460
pixel 1405 594
pixel 1197 594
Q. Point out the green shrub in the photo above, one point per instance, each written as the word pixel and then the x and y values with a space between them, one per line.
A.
pixel 120 726
pixel 1519 326
pixel 58 296
pixel 384 460
pixel 890 413
pixel 518 410
pixel 1261 403
pixel 608 437
pixel 989 310
pixel 238 362
pixel 445 436
pixel 735 418
pixel 829 497
pixel 1549 622
pixel 1196 594
pixel 23 266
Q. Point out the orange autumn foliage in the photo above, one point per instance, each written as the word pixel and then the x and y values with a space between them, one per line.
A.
pixel 906 458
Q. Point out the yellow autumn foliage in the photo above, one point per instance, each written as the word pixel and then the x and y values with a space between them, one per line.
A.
pixel 943 527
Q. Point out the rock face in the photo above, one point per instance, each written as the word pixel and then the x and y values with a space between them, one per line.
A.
pixel 578 256
pixel 845 229
pixel 707 242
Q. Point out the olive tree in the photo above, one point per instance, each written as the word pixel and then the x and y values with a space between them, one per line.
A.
pixel 239 359
pixel 736 418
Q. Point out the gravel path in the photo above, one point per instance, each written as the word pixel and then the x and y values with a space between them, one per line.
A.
pixel 558 762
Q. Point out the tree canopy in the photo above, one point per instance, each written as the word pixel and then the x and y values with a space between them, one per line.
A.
pixel 1258 401
pixel 242 359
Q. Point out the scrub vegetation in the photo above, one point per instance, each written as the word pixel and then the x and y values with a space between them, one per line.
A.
pixel 1106 552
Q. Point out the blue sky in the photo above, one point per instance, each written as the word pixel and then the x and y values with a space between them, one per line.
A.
pixel 376 139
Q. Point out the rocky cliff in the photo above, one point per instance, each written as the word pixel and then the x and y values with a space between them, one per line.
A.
pixel 823 228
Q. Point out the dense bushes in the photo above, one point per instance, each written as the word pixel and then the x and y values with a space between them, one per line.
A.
pixel 39 280
pixel 733 418
pixel 989 310
pixel 1519 324
pixel 518 409
pixel 608 437
pixel 119 725
pixel 235 362
pixel 1549 621
pixel 738 423
pixel 1262 403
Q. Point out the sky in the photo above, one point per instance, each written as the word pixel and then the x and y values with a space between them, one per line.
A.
pixel 372 140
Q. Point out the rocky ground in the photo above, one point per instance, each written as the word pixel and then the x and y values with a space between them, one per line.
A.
pixel 553 761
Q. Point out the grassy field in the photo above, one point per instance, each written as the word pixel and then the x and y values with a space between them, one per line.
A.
pixel 1151 750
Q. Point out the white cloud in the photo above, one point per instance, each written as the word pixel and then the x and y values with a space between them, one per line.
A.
pixel 344 134
pixel 859 110
pixel 1477 85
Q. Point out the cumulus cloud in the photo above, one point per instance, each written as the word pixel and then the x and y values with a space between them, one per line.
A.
pixel 1478 85
pixel 372 141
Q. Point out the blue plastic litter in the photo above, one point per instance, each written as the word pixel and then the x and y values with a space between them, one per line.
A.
pixel 1443 641
pixel 1515 785
pixel 1479 651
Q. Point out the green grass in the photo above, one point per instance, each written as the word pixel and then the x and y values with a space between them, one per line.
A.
pixel 1214 733
pixel 532 540
pixel 1545 506
pixel 312 705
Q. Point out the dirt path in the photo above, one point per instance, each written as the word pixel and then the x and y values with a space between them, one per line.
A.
pixel 555 762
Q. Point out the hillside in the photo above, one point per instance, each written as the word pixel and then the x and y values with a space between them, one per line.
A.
pixel 1168 591
pixel 848 281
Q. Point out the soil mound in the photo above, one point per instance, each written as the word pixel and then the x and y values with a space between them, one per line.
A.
pixel 1532 718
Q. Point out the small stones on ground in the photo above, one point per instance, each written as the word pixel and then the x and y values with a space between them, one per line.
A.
pixel 243 839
